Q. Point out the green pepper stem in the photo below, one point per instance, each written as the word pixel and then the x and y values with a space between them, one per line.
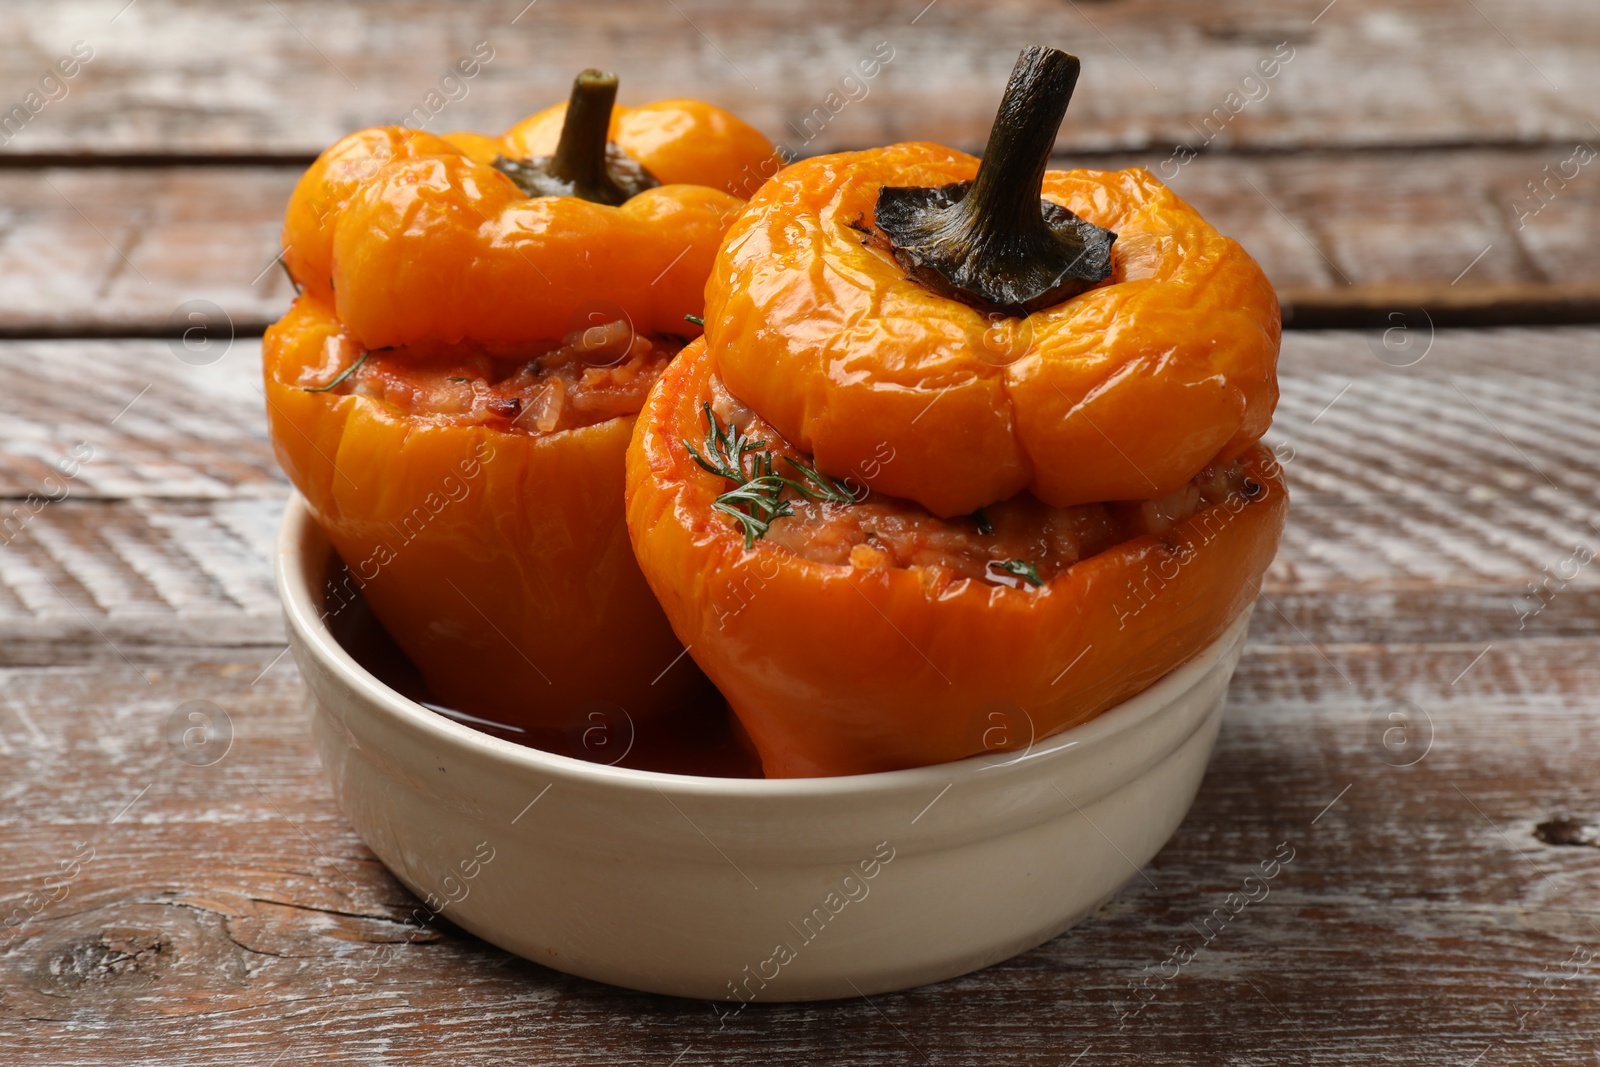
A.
pixel 580 157
pixel 585 164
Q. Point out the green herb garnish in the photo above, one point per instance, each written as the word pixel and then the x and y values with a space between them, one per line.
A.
pixel 696 319
pixel 351 369
pixel 1019 568
pixel 818 485
pixel 725 448
pixel 981 517
pixel 757 500
pixel 755 505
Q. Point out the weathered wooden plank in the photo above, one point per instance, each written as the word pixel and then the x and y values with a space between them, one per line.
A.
pixel 126 581
pixel 228 915
pixel 173 75
pixel 104 420
pixel 102 250
pixel 1443 485
pixel 1348 238
pixel 1438 502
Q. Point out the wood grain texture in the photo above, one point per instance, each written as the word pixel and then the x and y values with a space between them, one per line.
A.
pixel 1443 483
pixel 227 914
pixel 182 76
pixel 119 249
pixel 1432 496
pixel 153 425
pixel 138 500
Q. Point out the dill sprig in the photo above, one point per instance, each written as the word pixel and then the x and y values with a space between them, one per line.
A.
pixel 725 448
pixel 1019 568
pixel 351 369
pixel 756 501
pixel 755 505
pixel 818 485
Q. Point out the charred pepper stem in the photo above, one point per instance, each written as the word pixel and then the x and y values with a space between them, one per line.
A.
pixel 585 164
pixel 993 242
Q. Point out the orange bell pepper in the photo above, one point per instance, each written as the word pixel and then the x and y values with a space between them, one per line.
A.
pixel 679 142
pixel 795 478
pixel 1121 393
pixel 455 388
pixel 845 669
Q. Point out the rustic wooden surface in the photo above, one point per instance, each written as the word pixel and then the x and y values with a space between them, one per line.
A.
pixel 113 251
pixel 230 915
pixel 1391 149
pixel 289 76
pixel 1439 909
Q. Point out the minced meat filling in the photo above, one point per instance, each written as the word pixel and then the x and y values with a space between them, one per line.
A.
pixel 882 531
pixel 587 377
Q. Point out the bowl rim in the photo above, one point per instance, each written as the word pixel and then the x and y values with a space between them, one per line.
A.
pixel 301 545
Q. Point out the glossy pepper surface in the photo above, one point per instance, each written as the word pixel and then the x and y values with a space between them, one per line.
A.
pixel 493 552
pixel 1120 393
pixel 1149 377
pixel 413 236
pixel 847 670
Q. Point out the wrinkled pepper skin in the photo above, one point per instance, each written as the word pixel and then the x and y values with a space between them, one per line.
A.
pixel 837 670
pixel 1121 393
pixel 331 180
pixel 447 249
pixel 498 562
pixel 681 142
pixel 685 142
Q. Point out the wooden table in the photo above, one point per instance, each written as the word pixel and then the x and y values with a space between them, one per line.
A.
pixel 1414 715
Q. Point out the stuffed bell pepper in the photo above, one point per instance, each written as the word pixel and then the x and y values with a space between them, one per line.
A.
pixel 959 436
pixel 479 321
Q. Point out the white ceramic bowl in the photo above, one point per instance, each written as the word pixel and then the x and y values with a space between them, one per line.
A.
pixel 741 889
